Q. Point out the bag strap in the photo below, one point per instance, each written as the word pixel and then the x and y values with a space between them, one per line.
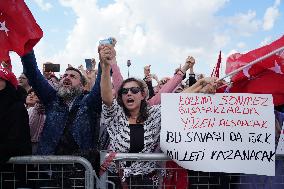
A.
pixel 106 163
pixel 104 166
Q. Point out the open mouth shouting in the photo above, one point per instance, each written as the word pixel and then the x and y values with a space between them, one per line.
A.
pixel 130 101
pixel 67 83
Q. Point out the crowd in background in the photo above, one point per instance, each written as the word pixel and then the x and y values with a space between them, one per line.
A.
pixel 87 110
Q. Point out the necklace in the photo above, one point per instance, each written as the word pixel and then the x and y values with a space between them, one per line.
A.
pixel 133 117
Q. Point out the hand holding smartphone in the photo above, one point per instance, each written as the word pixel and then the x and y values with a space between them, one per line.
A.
pixel 106 41
pixel 89 65
pixel 50 67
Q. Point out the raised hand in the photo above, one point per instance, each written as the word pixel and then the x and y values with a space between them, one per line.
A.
pixel 107 54
pixel 205 85
pixel 190 61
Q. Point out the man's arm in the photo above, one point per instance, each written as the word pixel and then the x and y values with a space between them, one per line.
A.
pixel 94 98
pixel 38 82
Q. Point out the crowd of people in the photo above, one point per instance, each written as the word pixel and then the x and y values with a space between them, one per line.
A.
pixel 85 111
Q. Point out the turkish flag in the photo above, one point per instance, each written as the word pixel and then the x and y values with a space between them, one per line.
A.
pixel 274 62
pixel 265 83
pixel 264 77
pixel 215 72
pixel 19 31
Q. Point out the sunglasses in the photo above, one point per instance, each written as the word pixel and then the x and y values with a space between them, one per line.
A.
pixel 134 90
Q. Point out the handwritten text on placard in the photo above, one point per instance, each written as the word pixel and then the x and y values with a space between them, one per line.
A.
pixel 220 132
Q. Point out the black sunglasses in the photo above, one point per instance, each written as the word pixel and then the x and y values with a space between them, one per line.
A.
pixel 133 90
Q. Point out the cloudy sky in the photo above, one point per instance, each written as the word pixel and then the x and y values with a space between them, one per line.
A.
pixel 161 33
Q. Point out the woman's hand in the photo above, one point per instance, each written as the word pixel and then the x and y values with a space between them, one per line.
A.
pixel 107 55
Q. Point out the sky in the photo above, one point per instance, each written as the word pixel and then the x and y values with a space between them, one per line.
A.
pixel 160 33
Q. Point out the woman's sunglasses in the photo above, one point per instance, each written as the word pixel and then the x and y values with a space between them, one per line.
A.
pixel 134 90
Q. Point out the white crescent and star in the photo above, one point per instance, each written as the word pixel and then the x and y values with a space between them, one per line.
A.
pixel 3 27
pixel 276 68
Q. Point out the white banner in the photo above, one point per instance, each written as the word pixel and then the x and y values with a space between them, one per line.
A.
pixel 233 133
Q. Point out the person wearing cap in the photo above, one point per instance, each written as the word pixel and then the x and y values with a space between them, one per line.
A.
pixel 15 137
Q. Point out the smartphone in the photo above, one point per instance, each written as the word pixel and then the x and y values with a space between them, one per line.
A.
pixel 106 41
pixel 89 65
pixel 51 67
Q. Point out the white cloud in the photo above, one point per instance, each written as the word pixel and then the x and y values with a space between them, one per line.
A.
pixel 45 6
pixel 270 16
pixel 161 33
pixel 221 40
pixel 266 41
pixel 241 45
pixel 277 2
pixel 245 24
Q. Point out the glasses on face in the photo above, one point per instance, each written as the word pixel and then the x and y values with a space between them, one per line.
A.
pixel 134 90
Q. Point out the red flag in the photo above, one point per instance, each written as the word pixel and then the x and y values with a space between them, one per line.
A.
pixel 264 77
pixel 265 83
pixel 274 62
pixel 216 72
pixel 19 31
pixel 176 176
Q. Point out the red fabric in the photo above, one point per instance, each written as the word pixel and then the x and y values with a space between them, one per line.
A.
pixel 215 72
pixel 221 89
pixel 176 176
pixel 7 64
pixel 19 31
pixel 266 83
pixel 238 60
pixel 264 77
pixel 7 75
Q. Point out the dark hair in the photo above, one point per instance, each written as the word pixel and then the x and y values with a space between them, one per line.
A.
pixel 144 114
pixel 82 78
pixel 31 90
pixel 53 76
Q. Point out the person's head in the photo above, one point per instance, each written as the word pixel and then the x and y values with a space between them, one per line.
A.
pixel 45 73
pixel 54 79
pixel 23 81
pixel 7 76
pixel 32 98
pixel 147 70
pixel 71 84
pixel 132 97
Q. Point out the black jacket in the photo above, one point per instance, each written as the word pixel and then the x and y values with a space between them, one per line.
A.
pixel 15 137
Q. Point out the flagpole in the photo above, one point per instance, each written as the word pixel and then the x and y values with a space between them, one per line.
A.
pixel 252 63
pixel 128 73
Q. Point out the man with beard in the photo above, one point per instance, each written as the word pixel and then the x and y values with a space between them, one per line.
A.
pixel 71 126
pixel 72 119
